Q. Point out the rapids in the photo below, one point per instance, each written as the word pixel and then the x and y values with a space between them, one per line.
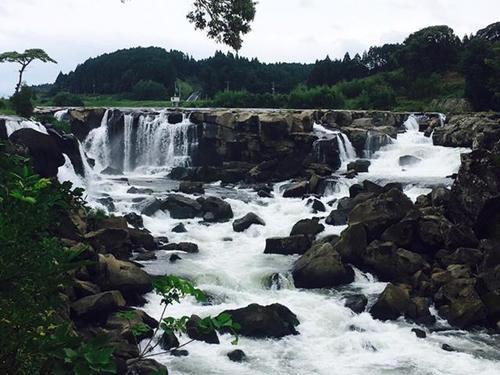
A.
pixel 233 270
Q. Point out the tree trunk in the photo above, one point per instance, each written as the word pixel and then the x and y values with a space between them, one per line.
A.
pixel 19 83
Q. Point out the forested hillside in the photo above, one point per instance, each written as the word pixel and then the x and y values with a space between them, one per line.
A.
pixel 431 65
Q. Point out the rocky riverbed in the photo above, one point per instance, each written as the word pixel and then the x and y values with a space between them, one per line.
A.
pixel 342 241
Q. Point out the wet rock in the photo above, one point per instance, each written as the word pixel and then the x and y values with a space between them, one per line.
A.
pixel 419 333
pixel 356 303
pixel 440 196
pixel 135 220
pixel 98 305
pixel 175 117
pixel 359 166
pixel 237 355
pixel 108 203
pixel 308 227
pixel 242 224
pixel 419 311
pixel 134 190
pixel 190 187
pixel 258 321
pixel 187 247
pixel 195 333
pixel 264 194
pixel 181 207
pixel 168 341
pixel 179 353
pixel 448 348
pixel 146 367
pixel 391 304
pixel 149 207
pixel 296 190
pixel 112 171
pixel 147 256
pixel 316 205
pixel 123 276
pixel 297 244
pixel 379 212
pixel 174 258
pixel 142 238
pixel 111 240
pixel 179 228
pixel 215 209
pixel 463 255
pixel 408 160
pixel 85 288
pixel 321 267
pixel 122 326
pixel 352 243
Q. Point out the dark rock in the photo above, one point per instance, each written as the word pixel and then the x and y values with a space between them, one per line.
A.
pixel 321 267
pixel 359 166
pixel 135 220
pixel 46 153
pixel 190 187
pixel 408 160
pixel 85 288
pixel 356 303
pixel 298 244
pixel 98 305
pixel 146 257
pixel 352 243
pixel 179 353
pixel 308 227
pixel 149 207
pixel 419 333
pixel 440 196
pixel 111 240
pixel 391 304
pixel 448 348
pixel 175 117
pixel 264 194
pixel 195 333
pixel 215 209
pixel 134 190
pixel 168 341
pixel 174 258
pixel 237 355
pixel 179 228
pixel 146 367
pixel 316 205
pixel 419 311
pixel 296 190
pixel 242 224
pixel 265 321
pixel 187 247
pixel 108 203
pixel 181 207
pixel 142 238
pixel 112 171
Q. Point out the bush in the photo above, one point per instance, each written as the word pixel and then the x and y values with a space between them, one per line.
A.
pixel 377 97
pixel 66 99
pixel 149 90
pixel 316 97
pixel 21 102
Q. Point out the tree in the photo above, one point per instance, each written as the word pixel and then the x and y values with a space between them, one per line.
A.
pixel 226 21
pixel 24 59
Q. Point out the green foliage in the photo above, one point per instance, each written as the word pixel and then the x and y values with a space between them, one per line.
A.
pixel 65 99
pixel 149 90
pixel 316 97
pixel 377 97
pixel 21 102
pixel 226 21
pixel 34 267
pixel 172 289
pixel 93 357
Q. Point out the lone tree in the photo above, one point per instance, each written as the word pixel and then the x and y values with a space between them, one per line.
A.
pixel 225 21
pixel 24 59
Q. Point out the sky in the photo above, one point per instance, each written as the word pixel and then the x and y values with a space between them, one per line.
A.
pixel 71 31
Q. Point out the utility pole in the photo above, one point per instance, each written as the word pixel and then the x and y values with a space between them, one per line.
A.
pixel 227 85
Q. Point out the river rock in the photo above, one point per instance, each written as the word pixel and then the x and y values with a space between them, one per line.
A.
pixel 134 190
pixel 141 238
pixel 215 209
pixel 135 220
pixel 195 333
pixel 359 166
pixel 168 341
pixel 242 224
pixel 179 228
pixel 408 160
pixel 391 304
pixel 258 321
pixel 187 247
pixel 296 190
pixel 181 207
pixel 308 227
pixel 237 355
pixel 190 187
pixel 321 267
pixel 356 302
pixel 112 241
pixel 97 306
pixel 297 244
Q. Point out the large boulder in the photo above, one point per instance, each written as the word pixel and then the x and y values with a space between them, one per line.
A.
pixel 196 333
pixel 98 305
pixel 297 244
pixel 378 213
pixel 123 276
pixel 46 153
pixel 295 190
pixel 215 209
pixel 258 321
pixel 242 224
pixel 308 227
pixel 111 241
pixel 321 267
pixel 181 207
pixel 391 304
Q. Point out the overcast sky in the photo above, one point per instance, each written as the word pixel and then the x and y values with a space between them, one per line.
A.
pixel 284 30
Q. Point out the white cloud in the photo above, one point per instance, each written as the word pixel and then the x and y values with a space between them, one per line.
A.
pixel 284 30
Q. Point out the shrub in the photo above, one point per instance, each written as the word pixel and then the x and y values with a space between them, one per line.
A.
pixel 21 102
pixel 66 99
pixel 377 97
pixel 149 90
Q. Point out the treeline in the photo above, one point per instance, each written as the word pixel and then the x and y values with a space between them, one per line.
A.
pixel 431 63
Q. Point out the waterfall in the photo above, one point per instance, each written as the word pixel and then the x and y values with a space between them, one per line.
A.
pixel 411 124
pixel 330 144
pixel 346 149
pixel 374 142
pixel 61 115
pixel 146 141
pixel 12 125
pixel 442 119
pixel 97 143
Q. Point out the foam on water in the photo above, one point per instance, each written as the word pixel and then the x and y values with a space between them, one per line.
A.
pixel 13 125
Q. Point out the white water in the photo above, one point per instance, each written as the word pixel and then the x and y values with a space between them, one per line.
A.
pixel 97 144
pixel 346 150
pixel 61 115
pixel 332 339
pixel 13 125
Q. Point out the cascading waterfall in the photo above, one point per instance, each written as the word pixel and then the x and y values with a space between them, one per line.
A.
pixel 346 149
pixel 374 142
pixel 97 143
pixel 61 115
pixel 323 146
pixel 128 141
pixel 411 124
pixel 13 125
